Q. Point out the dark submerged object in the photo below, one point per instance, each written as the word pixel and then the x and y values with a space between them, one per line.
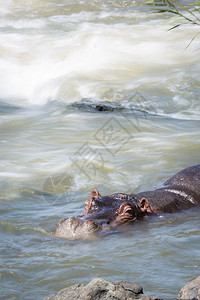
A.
pixel 88 105
pixel 181 191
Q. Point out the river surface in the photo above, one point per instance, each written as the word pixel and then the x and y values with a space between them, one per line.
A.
pixel 60 61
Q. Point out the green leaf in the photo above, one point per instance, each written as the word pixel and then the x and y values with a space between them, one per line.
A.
pixel 174 27
pixel 194 37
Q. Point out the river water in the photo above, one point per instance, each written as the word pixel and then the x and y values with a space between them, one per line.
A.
pixel 60 61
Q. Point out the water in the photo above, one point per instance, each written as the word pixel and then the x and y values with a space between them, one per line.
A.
pixel 59 62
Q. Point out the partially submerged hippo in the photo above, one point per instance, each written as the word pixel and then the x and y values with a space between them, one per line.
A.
pixel 182 191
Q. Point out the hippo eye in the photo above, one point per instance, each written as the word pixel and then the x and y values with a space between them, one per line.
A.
pixel 129 211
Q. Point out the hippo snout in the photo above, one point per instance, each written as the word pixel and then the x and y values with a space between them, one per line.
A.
pixel 74 228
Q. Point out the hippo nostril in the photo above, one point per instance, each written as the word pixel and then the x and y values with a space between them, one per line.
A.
pixel 90 222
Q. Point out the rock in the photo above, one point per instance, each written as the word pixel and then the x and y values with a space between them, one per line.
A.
pixel 100 289
pixel 191 291
pixel 89 105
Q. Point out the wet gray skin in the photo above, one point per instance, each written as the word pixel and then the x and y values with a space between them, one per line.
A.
pixel 179 192
pixel 101 214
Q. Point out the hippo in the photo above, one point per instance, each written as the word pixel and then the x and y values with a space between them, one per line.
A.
pixel 103 213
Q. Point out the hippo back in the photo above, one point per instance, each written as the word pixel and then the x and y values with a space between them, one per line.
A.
pixel 188 178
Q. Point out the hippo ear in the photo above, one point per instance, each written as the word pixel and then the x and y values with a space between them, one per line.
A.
pixel 144 205
pixel 94 194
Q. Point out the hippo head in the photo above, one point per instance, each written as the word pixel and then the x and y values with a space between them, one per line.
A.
pixel 111 211
pixel 102 213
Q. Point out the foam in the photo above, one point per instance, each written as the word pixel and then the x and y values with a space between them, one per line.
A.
pixel 55 63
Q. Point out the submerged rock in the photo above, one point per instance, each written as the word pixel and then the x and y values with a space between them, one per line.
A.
pixel 191 291
pixel 89 105
pixel 101 289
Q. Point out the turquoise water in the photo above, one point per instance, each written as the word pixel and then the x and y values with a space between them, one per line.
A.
pixel 59 61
